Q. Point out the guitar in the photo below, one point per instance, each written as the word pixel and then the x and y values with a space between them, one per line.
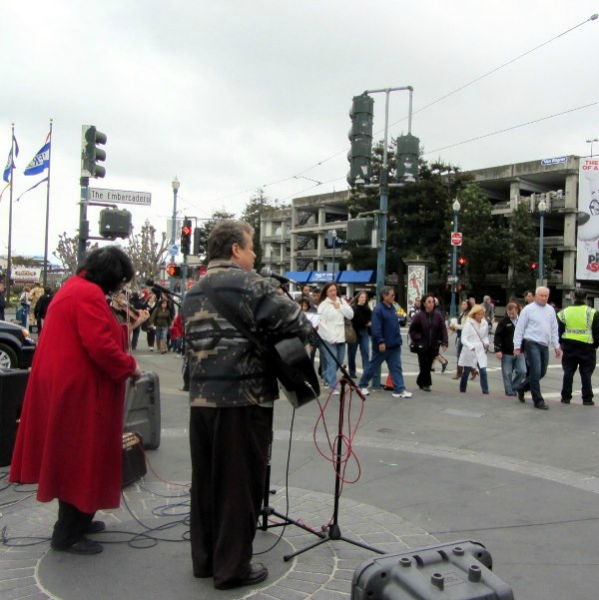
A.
pixel 295 371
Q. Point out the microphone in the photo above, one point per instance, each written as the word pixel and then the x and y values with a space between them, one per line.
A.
pixel 156 286
pixel 266 272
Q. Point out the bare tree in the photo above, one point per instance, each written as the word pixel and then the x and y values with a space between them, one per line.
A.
pixel 146 252
pixel 66 252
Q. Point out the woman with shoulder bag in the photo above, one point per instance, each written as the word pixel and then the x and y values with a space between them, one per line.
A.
pixel 475 342
pixel 428 329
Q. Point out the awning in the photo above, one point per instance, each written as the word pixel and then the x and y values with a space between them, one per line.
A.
pixel 321 276
pixel 299 276
pixel 356 276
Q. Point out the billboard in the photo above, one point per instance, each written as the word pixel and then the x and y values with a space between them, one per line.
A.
pixel 587 237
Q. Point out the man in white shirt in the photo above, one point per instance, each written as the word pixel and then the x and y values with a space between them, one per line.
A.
pixel 535 331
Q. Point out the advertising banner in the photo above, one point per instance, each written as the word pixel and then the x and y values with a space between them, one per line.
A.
pixel 416 282
pixel 587 237
pixel 26 275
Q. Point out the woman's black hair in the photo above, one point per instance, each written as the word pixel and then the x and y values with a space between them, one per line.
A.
pixel 108 267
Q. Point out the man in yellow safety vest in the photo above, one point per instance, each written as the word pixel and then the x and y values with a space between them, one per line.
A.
pixel 579 338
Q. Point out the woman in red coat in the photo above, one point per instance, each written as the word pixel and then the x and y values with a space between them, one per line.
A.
pixel 70 434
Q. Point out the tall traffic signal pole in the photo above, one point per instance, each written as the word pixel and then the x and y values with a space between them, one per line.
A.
pixel 384 185
pixel 90 155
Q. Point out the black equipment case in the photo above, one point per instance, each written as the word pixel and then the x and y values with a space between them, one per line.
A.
pixel 454 571
pixel 13 383
pixel 142 409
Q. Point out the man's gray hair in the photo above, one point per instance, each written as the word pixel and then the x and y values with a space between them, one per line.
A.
pixel 385 290
pixel 224 234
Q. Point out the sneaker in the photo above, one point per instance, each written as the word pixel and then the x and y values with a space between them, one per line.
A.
pixel 404 394
pixel 365 391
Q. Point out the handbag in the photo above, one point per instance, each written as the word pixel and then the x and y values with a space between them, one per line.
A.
pixel 350 332
pixel 418 346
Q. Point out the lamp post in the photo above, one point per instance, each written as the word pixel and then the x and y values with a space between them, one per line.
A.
pixel 542 208
pixel 332 235
pixel 454 261
pixel 176 185
pixel 592 142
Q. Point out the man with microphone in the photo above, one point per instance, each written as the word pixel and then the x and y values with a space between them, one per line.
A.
pixel 232 387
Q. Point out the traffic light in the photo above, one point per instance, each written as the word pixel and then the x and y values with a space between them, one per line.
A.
pixel 533 266
pixel 360 135
pixel 406 158
pixel 115 223
pixel 90 153
pixel 199 241
pixel 174 270
pixel 186 237
pixel 462 262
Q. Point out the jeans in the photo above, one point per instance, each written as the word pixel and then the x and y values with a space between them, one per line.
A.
pixel 537 358
pixel 393 359
pixel 364 344
pixel 513 369
pixel 330 370
pixel 484 382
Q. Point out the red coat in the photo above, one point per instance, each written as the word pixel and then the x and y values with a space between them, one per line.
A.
pixel 70 434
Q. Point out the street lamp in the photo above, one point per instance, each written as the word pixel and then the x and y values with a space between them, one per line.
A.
pixel 176 185
pixel 542 208
pixel 592 142
pixel 332 239
pixel 454 261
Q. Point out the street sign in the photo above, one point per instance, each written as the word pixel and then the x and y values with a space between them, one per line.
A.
pixel 557 160
pixel 452 279
pixel 456 238
pixel 120 196
pixel 173 250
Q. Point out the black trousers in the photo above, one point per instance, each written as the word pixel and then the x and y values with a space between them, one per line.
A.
pixel 576 356
pixel 71 525
pixel 425 360
pixel 229 454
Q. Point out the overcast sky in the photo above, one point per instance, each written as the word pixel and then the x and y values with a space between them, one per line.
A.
pixel 233 95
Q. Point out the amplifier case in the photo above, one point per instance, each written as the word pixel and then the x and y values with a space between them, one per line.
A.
pixel 142 409
pixel 13 383
pixel 134 459
pixel 454 571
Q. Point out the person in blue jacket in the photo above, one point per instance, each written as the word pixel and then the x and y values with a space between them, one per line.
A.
pixel 386 345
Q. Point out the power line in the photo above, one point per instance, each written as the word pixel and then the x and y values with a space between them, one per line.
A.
pixel 460 88
pixel 486 135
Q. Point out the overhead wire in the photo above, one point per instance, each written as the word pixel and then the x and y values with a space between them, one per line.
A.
pixel 434 102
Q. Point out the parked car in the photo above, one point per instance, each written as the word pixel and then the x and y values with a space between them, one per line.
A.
pixel 401 313
pixel 16 347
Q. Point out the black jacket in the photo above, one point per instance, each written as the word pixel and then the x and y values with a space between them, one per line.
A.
pixel 504 336
pixel 362 316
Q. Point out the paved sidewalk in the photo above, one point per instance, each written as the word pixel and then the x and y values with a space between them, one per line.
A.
pixel 437 467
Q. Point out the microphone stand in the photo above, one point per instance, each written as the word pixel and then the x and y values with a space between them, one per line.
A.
pixel 333 530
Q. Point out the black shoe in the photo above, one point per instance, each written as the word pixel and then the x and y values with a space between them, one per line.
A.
pixel 184 389
pixel 83 547
pixel 588 403
pixel 520 395
pixel 564 401
pixel 444 366
pixel 541 406
pixel 96 527
pixel 425 388
pixel 258 573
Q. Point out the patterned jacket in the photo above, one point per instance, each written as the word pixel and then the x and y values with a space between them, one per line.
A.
pixel 226 369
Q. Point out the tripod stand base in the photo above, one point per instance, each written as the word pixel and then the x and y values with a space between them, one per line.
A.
pixel 334 534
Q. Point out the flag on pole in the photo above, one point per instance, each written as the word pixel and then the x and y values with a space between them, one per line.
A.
pixel 10 163
pixel 41 161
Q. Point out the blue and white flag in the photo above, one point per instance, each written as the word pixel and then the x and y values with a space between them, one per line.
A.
pixel 10 163
pixel 40 162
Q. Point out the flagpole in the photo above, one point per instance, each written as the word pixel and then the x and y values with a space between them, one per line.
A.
pixel 48 209
pixel 9 259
